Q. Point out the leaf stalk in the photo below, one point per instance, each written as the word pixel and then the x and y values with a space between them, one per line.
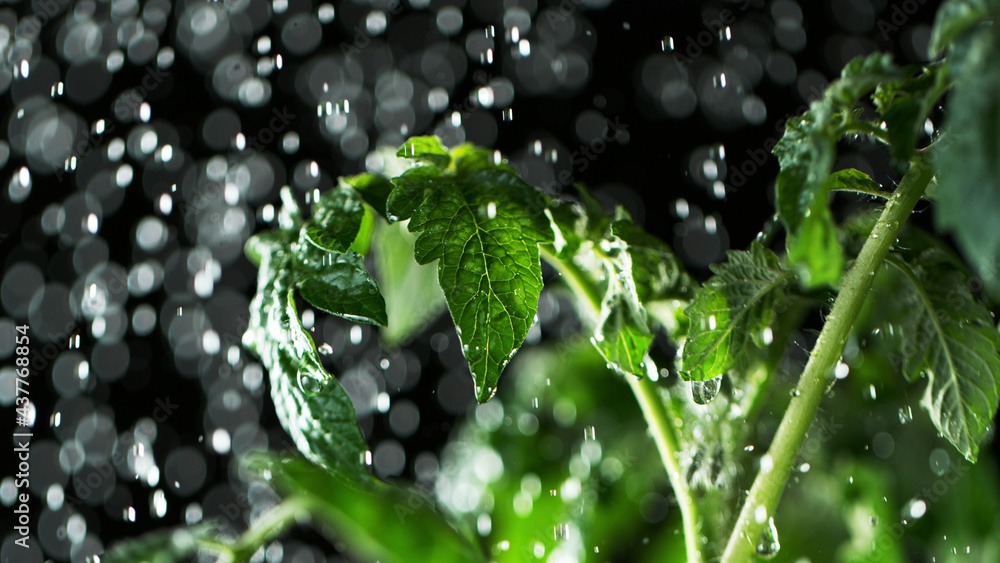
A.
pixel 652 406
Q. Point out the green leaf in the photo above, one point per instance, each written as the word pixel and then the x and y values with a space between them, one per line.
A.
pixel 806 153
pixel 860 76
pixel 951 340
pixel 425 149
pixel 639 269
pixel 469 158
pixel 734 307
pixel 338 283
pixel 956 18
pixel 263 244
pixel 336 220
pixel 413 297
pixel 623 336
pixel 483 226
pixel 377 522
pixel 311 405
pixel 290 215
pixel 656 271
pixel 574 223
pixel 968 194
pixel 374 189
pixel 854 180
pixel 905 104
pixel 163 546
pixel 816 247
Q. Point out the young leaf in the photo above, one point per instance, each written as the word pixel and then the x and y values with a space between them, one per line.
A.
pixel 640 269
pixel 656 271
pixel 954 343
pixel 311 405
pixel 734 307
pixel 164 546
pixel 483 226
pixel 378 522
pixel 425 149
pixel 806 153
pixel 853 180
pixel 336 219
pixel 623 336
pixel 905 104
pixel 413 297
pixel 575 223
pixel 265 243
pixel 968 194
pixel 470 158
pixel 338 283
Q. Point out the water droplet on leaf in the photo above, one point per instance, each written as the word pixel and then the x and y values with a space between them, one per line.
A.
pixel 308 384
pixel 702 392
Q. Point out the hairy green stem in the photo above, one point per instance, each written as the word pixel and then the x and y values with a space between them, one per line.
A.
pixel 660 423
pixel 770 482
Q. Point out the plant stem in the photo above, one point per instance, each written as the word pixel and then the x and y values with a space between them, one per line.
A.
pixel 653 410
pixel 574 278
pixel 666 443
pixel 770 482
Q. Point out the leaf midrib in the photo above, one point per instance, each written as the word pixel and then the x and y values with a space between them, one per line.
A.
pixel 939 331
pixel 489 284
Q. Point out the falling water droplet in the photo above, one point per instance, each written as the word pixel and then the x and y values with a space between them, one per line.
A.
pixel 767 545
pixel 702 392
pixel 309 384
pixel 325 348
